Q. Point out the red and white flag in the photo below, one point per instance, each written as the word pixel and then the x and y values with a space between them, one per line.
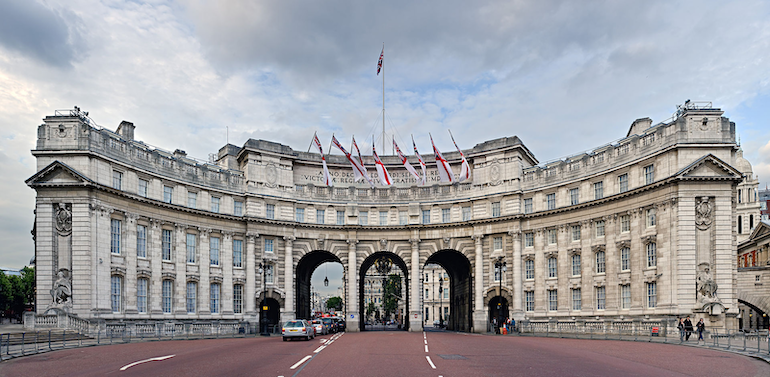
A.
pixel 406 163
pixel 379 62
pixel 422 162
pixel 357 168
pixel 381 171
pixel 327 177
pixel 465 169
pixel 444 170
pixel 365 174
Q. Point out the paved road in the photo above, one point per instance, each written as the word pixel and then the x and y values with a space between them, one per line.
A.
pixel 388 354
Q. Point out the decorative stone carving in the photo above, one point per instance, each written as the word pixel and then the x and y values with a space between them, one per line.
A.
pixel 622 244
pixel 575 251
pixel 703 210
pixel 707 287
pixel 62 289
pixel 64 219
pixel 649 239
pixel 598 248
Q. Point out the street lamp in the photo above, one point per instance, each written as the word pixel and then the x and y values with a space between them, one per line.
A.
pixel 499 269
pixel 441 301
pixel 263 304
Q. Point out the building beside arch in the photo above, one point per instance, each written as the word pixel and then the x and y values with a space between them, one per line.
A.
pixel 639 229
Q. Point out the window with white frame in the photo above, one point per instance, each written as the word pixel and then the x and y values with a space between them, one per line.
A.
pixel 117 180
pixel 529 269
pixel 214 295
pixel 601 298
pixel 576 270
pixel 142 187
pixel 552 267
pixel 383 218
pixel 497 243
pixel 115 225
pixel 192 296
pixel 238 299
pixel 598 190
pixel 268 245
pixel 340 217
pixel 577 299
pixel 601 265
pixel 650 217
pixel 529 239
pixel 238 208
pixel 426 216
pixel 496 209
pixel 320 216
pixel 116 293
pixel 299 215
pixel 466 213
pixel 167 296
pixel 652 294
pixel 141 241
pixel 445 215
pixel 574 196
pixel 625 223
pixel 214 251
pixel 215 204
pixel 191 248
pixel 270 211
pixel 192 199
pixel 530 300
pixel 553 299
pixel 649 174
pixel 237 253
pixel 625 296
pixel 165 244
pixel 528 205
pixel 403 218
pixel 623 182
pixel 141 295
pixel 575 232
pixel 269 273
pixel 625 259
pixel 363 217
pixel 552 236
pixel 599 228
pixel 550 200
pixel 168 193
pixel 652 255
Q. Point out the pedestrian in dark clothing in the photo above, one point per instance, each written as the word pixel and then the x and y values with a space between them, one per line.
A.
pixel 701 327
pixel 687 328
pixel 680 326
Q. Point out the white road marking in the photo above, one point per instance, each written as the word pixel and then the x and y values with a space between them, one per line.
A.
pixel 319 349
pixel 426 348
pixel 430 362
pixel 426 341
pixel 303 360
pixel 159 358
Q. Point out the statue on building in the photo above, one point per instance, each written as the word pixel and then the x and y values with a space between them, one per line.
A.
pixel 707 287
pixel 62 289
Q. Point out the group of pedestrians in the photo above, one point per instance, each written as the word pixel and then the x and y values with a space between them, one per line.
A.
pixel 509 325
pixel 685 329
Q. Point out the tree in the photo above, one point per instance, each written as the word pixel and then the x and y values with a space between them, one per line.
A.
pixel 391 294
pixel 370 309
pixel 16 292
pixel 334 303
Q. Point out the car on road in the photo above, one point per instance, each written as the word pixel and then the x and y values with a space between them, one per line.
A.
pixel 320 327
pixel 330 323
pixel 298 328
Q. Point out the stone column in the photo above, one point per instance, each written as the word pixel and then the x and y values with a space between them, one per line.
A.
pixel 479 312
pixel 353 322
pixel 226 264
pixel 180 281
pixel 129 282
pixel 251 278
pixel 154 252
pixel 204 276
pixel 289 312
pixel 518 313
pixel 415 312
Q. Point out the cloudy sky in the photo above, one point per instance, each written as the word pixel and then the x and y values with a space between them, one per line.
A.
pixel 563 76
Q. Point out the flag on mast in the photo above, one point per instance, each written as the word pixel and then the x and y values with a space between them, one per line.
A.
pixel 381 171
pixel 422 162
pixel 379 62
pixel 406 163
pixel 357 168
pixel 365 175
pixel 465 170
pixel 327 176
pixel 444 170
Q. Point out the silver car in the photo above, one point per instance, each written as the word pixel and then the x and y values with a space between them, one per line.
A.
pixel 320 329
pixel 298 328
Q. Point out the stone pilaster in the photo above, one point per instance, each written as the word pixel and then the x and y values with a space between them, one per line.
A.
pixel 250 307
pixel 479 311
pixel 288 312
pixel 415 314
pixel 353 322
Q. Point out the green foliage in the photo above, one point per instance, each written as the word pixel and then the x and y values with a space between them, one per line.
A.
pixel 17 291
pixel 334 302
pixel 370 309
pixel 391 294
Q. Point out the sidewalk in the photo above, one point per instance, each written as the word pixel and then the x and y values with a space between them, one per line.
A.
pixel 11 328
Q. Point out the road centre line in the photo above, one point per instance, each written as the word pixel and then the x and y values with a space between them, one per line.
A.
pixel 302 361
pixel 159 358
pixel 426 348
pixel 319 349
pixel 430 362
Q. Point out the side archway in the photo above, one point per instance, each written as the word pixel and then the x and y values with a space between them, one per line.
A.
pixel 458 267
pixel 305 267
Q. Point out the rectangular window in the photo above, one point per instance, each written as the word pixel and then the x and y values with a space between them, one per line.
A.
pixel 577 299
pixel 238 208
pixel 601 265
pixel 466 213
pixel 529 269
pixel 600 228
pixel 625 223
pixel 215 204
pixel 141 295
pixel 403 218
pixel 299 215
pixel 552 268
pixel 623 182
pixel 497 243
pixel 445 215
pixel 652 257
pixel 192 199
pixel 550 200
pixel 192 296
pixel 116 288
pixel 142 189
pixel 576 265
pixel 530 300
pixel 576 233
pixel 214 251
pixel 165 245
pixel 598 190
pixel 237 299
pixel 383 218
pixel 168 193
pixel 167 294
pixel 496 209
pixel 269 274
pixel 214 294
pixel 426 294
pixel 340 217
pixel 649 174
pixel 553 300
pixel 652 294
pixel 270 211
pixel 363 217
pixel 529 239
pixel 115 236
pixel 117 180
pixel 650 218
pixel 574 196
pixel 601 298
pixel 237 253
pixel 141 241
pixel 625 259
pixel 528 205
pixel 320 216
pixel 191 248
pixel 268 245
pixel 426 216
pixel 552 236
pixel 625 296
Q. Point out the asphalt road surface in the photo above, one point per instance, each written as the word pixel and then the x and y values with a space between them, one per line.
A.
pixel 388 354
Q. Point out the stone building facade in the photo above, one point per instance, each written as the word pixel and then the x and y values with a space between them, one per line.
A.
pixel 753 277
pixel 641 229
pixel 435 290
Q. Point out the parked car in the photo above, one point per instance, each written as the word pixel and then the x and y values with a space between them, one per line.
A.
pixel 298 328
pixel 320 328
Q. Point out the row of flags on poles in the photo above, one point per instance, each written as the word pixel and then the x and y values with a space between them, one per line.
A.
pixel 360 172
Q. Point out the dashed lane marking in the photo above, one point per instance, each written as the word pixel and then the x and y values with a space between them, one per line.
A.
pixel 319 349
pixel 430 362
pixel 159 358
pixel 302 361
pixel 426 348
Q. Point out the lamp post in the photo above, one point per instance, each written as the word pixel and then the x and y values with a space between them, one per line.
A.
pixel 263 305
pixel 499 269
pixel 441 301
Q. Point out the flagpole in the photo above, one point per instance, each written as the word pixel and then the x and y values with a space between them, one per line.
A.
pixel 383 99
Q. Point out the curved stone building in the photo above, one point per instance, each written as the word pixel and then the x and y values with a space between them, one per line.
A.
pixel 640 229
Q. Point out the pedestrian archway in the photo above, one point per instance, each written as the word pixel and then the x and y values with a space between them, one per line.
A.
pixel 305 267
pixel 460 285
pixel 498 312
pixel 383 262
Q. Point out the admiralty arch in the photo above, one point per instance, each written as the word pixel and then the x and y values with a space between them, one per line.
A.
pixel 638 229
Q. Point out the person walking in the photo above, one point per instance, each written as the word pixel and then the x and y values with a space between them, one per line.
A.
pixel 513 324
pixel 701 327
pixel 680 326
pixel 687 328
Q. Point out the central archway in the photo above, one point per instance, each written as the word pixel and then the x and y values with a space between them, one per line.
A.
pixel 368 263
pixel 458 267
pixel 305 267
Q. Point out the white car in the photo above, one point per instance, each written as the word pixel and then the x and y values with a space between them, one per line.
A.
pixel 298 328
pixel 319 327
